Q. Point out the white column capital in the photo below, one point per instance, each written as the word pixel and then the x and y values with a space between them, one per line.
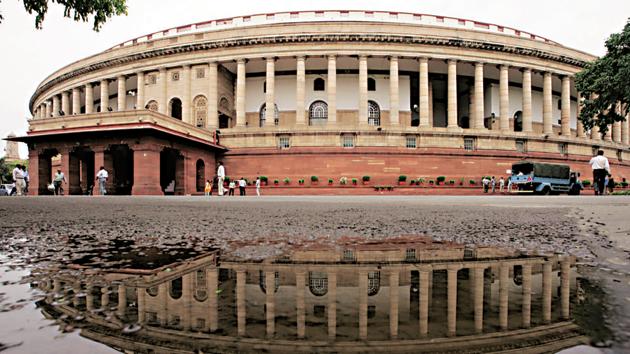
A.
pixel 331 56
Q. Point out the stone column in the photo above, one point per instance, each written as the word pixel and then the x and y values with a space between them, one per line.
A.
pixel 394 278
pixel 186 99
pixel 122 300
pixel 452 94
pixel 213 303
pixel 580 127
pixel 163 103
pixel 89 298
pixel 104 95
pixel 565 113
pixel 547 104
pixel 363 304
pixel 42 110
pixel 332 90
pixel 479 102
pixel 616 132
pixel 49 109
pixel 504 273
pixel 76 101
pixel 213 96
pixel 424 300
pixel 595 133
pixel 527 100
pixel 565 289
pixel 527 295
pixel 546 291
pixel 332 303
pixel 430 104
pixel 187 299
pixel 141 293
pixel 423 106
pixel 122 93
pixel 240 93
pixel 504 99
pixel 56 106
pixel 270 302
pixel 478 278
pixel 65 102
pixel 104 297
pixel 270 92
pixel 363 90
pixel 89 98
pixel 452 300
pixel 240 301
pixel 625 131
pixel 394 92
pixel 76 288
pixel 300 285
pixel 300 86
pixel 146 177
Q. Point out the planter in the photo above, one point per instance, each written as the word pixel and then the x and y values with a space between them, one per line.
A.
pixel 401 183
pixel 365 183
pixel 314 183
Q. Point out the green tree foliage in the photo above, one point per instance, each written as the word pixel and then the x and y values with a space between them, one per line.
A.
pixel 605 83
pixel 6 169
pixel 78 10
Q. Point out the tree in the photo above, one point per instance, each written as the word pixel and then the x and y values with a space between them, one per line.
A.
pixel 604 84
pixel 78 10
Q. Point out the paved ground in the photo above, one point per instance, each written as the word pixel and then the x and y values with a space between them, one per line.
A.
pixel 597 230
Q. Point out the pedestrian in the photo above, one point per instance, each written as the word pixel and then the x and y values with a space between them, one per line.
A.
pixel 57 181
pixel 208 189
pixel 242 183
pixel 501 184
pixel 18 178
pixel 601 168
pixel 485 182
pixel 102 177
pixel 509 186
pixel 606 184
pixel 610 184
pixel 220 178
pixel 493 182
pixel 26 179
pixel 231 187
pixel 258 186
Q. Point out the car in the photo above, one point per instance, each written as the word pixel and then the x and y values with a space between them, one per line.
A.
pixel 7 189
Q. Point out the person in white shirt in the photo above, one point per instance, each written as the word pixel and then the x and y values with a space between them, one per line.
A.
pixel 601 168
pixel 102 176
pixel 241 186
pixel 501 184
pixel 18 178
pixel 220 178
pixel 258 186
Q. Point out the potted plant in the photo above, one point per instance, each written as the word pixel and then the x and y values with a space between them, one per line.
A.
pixel 451 182
pixel 343 180
pixel 586 183
pixel 355 181
pixel 301 182
pixel 276 182
pixel 330 181
pixel 287 180
pixel 412 182
pixel 461 181
pixel 264 180
pixel 420 181
pixel 440 179
pixel 314 180
pixel 431 182
pixel 365 179
pixel 402 179
pixel 472 182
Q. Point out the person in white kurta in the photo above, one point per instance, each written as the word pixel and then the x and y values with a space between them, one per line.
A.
pixel 220 178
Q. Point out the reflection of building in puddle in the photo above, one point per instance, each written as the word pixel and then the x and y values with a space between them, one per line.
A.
pixel 401 297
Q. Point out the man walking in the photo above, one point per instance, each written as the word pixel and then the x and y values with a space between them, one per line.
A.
pixel 241 186
pixel 18 178
pixel 57 181
pixel 258 186
pixel 601 168
pixel 220 178
pixel 102 176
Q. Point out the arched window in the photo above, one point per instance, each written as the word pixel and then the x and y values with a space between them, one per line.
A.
pixel 224 104
pixel 371 84
pixel 374 113
pixel 318 283
pixel 319 84
pixel 175 288
pixel 152 106
pixel 518 121
pixel 153 291
pixel 263 115
pixel 262 281
pixel 318 113
pixel 200 104
pixel 374 283
pixel 201 175
pixel 200 287
pixel 175 108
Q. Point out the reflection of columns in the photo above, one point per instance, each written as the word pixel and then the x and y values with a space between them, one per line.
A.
pixel 213 287
pixel 579 126
pixel 187 298
pixel 76 289
pixel 89 299
pixel 527 100
pixel 394 95
pixel 478 278
pixel 65 102
pixel 122 93
pixel 363 90
pixel 547 104
pixel 300 284
pixel 56 107
pixel 300 82
pixel 122 300
pixel 186 99
pixel 423 109
pixel 332 90
pixel 452 300
pixel 270 302
pixel 504 99
pixel 104 95
pixel 504 273
pixel 89 98
pixel 163 92
pixel 527 295
pixel 546 291
pixel 213 96
pixel 270 99
pixel 240 93
pixel 452 94
pixel 565 272
pixel 240 301
pixel 479 103
pixel 140 92
pixel 141 293
pixel 424 300
pixel 104 297
pixel 565 106
pixel 363 303
pixel 76 101
pixel 332 303
pixel 394 277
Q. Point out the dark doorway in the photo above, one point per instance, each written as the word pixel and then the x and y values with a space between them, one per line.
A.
pixel 44 171
pixel 172 172
pixel 175 107
pixel 81 174
pixel 224 121
pixel 201 175
pixel 122 169
pixel 518 121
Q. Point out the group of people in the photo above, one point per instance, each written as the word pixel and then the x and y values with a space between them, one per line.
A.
pixel 241 183
pixel 491 184
pixel 21 179
pixel 59 179
pixel 602 178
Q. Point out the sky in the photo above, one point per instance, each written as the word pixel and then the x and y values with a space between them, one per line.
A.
pixel 29 55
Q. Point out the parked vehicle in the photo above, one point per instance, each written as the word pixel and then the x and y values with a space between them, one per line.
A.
pixel 7 189
pixel 541 178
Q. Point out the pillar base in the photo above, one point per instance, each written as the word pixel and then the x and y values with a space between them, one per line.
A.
pixel 146 190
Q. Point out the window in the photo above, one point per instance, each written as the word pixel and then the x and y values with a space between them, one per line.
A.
pixel 374 113
pixel 318 283
pixel 319 84
pixel 262 281
pixel 371 84
pixel 151 318
pixel 153 291
pixel 175 288
pixel 518 121
pixel 175 108
pixel 348 256
pixel 200 287
pixel 410 254
pixel 521 145
pixel 175 76
pixel 283 142
pixel 347 140
pixel 200 104
pixel 152 106
pixel 410 142
pixel 201 323
pixel 201 73
pixel 318 113
pixel 469 144
pixel 563 149
pixel 151 79
pixel 263 115
pixel 374 283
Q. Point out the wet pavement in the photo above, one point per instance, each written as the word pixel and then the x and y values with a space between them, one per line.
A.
pixel 55 251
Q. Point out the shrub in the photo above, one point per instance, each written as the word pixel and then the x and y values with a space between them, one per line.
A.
pixel 366 178
pixel 314 178
pixel 586 183
pixel 412 182
pixel 420 180
pixel 226 179
pixel 301 181
pixel 472 181
pixel 343 180
pixel 461 181
pixel 263 179
pixel 287 180
pixel 623 184
pixel 354 181
pixel 275 181
pixel 431 181
pixel 402 178
pixel 451 182
pixel 330 181
pixel 441 179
